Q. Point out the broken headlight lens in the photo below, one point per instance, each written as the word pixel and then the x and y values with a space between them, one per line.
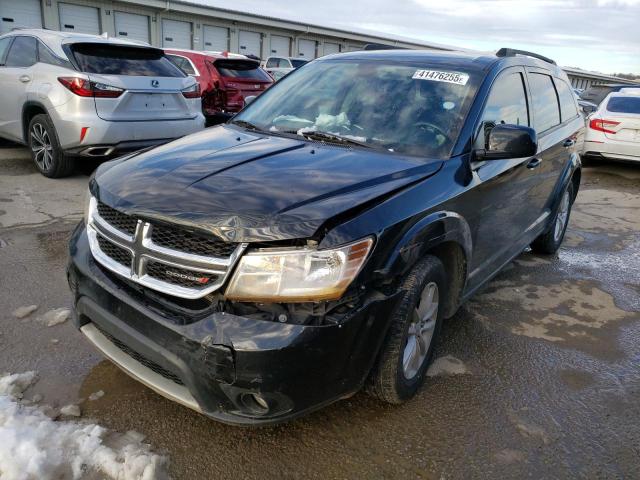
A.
pixel 297 275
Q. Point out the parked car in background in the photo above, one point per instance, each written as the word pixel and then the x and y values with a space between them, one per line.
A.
pixel 614 129
pixel 314 244
pixel 225 79
pixel 69 96
pixel 597 93
pixel 280 66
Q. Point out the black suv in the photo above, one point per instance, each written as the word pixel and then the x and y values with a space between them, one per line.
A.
pixel 314 244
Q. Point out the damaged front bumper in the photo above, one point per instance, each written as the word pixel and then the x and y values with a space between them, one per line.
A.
pixel 234 369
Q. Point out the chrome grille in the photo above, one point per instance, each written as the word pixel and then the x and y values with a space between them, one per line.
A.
pixel 183 264
pixel 190 242
pixel 116 219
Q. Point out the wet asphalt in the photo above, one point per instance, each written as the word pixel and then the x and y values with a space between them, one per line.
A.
pixel 546 359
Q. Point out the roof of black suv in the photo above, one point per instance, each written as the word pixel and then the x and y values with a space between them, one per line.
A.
pixel 467 60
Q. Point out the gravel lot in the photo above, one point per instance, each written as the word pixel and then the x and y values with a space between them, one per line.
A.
pixel 539 375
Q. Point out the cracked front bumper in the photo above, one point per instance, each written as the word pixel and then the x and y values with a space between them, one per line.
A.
pixel 216 365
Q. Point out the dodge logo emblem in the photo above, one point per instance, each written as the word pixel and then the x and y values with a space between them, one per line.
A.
pixel 155 83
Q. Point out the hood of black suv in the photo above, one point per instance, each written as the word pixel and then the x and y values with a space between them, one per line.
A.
pixel 247 187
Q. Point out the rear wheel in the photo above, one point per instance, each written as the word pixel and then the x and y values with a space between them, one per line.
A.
pixel 45 149
pixel 550 241
pixel 406 355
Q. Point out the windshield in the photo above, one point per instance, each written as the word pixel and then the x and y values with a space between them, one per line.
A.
pixel 624 105
pixel 397 107
pixel 298 63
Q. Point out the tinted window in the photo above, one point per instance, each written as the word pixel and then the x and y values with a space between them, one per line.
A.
pixel 182 63
pixel 298 63
pixel 4 45
pixel 389 106
pixel 596 93
pixel 45 56
pixel 567 100
pixel 241 69
pixel 507 102
pixel 546 112
pixel 23 52
pixel 118 60
pixel 272 63
pixel 624 105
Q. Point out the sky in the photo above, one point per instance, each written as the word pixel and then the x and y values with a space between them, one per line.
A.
pixel 599 35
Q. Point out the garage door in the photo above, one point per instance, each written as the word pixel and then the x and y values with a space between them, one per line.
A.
pixel 280 46
pixel 250 43
pixel 79 19
pixel 19 13
pixel 176 34
pixel 330 48
pixel 307 49
pixel 132 26
pixel 216 39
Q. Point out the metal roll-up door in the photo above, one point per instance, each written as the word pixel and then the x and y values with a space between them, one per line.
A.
pixel 250 43
pixel 216 39
pixel 132 26
pixel 19 13
pixel 307 49
pixel 79 19
pixel 280 46
pixel 330 48
pixel 176 34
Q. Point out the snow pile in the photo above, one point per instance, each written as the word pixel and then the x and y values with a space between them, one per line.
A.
pixel 32 446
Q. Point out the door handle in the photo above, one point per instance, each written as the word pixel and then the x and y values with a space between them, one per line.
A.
pixel 534 163
pixel 25 78
pixel 569 142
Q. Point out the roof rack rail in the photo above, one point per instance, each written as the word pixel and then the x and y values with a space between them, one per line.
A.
pixel 381 46
pixel 512 52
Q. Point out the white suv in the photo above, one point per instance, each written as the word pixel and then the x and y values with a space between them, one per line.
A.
pixel 68 95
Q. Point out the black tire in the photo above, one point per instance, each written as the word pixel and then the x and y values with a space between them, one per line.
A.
pixel 549 242
pixel 45 149
pixel 387 380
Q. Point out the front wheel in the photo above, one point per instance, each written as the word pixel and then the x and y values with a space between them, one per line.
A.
pixel 406 355
pixel 550 241
pixel 46 153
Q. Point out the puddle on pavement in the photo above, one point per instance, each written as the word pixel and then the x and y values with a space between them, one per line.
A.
pixel 54 244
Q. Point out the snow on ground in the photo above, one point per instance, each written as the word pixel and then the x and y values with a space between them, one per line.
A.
pixel 33 446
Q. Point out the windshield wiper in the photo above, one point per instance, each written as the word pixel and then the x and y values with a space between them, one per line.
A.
pixel 332 137
pixel 247 125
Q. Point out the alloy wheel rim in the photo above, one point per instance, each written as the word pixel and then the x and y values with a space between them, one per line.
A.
pixel 41 147
pixel 563 215
pixel 420 332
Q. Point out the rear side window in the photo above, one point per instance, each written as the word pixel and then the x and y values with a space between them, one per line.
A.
pixel 567 103
pixel 546 112
pixel 507 103
pixel 624 105
pixel 23 52
pixel 45 56
pixel 242 70
pixel 298 63
pixel 119 60
pixel 272 63
pixel 4 46
pixel 182 63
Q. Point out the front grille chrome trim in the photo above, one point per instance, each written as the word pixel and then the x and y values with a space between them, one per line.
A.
pixel 142 250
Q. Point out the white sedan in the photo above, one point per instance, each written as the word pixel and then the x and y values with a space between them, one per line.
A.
pixel 614 128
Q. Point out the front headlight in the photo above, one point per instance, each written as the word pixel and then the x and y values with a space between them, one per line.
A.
pixel 297 275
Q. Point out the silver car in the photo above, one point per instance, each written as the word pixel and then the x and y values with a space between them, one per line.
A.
pixel 69 96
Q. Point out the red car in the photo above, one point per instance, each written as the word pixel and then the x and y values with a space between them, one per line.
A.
pixel 225 79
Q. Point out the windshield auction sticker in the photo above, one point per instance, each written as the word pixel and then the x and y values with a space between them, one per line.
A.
pixel 438 76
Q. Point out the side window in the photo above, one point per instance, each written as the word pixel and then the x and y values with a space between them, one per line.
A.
pixel 546 111
pixel 4 46
pixel 45 56
pixel 567 101
pixel 23 52
pixel 507 103
pixel 272 63
pixel 182 63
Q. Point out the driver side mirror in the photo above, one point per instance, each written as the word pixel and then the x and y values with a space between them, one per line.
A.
pixel 509 141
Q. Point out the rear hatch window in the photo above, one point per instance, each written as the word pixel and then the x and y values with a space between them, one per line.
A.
pixel 242 70
pixel 624 105
pixel 123 60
